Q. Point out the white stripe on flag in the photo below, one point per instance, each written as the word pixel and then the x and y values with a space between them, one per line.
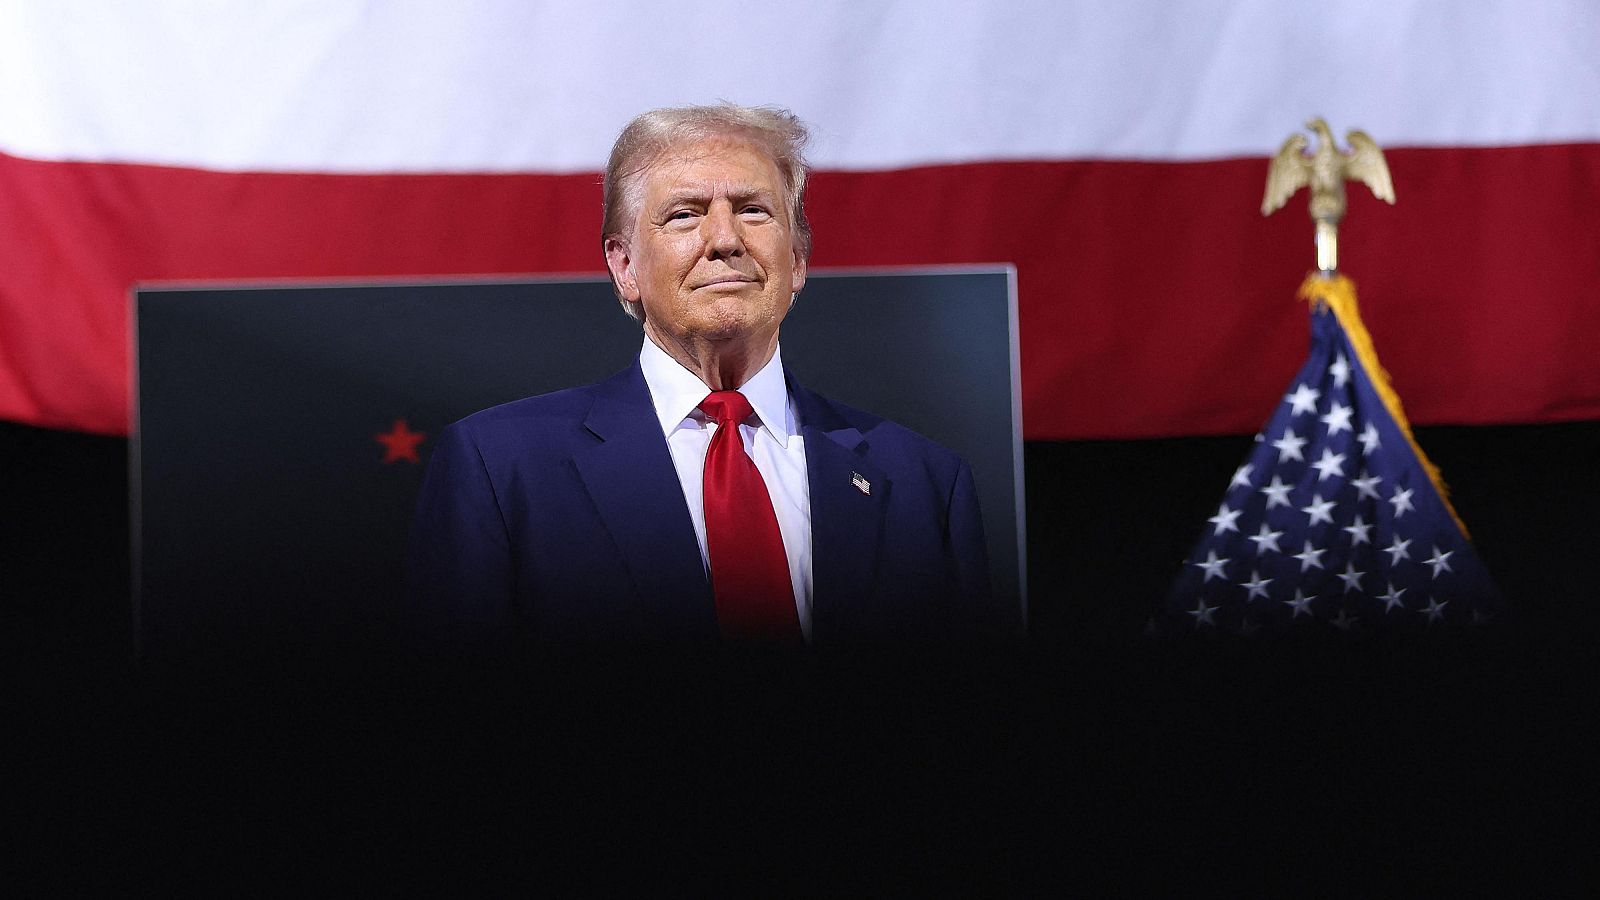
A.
pixel 348 86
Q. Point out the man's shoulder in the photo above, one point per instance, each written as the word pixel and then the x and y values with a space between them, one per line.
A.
pixel 562 405
pixel 543 418
pixel 881 436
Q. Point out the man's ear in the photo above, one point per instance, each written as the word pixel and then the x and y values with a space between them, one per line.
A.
pixel 798 280
pixel 620 262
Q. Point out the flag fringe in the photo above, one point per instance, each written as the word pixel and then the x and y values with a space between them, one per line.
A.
pixel 1338 293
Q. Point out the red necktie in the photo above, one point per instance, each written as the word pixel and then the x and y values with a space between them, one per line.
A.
pixel 749 571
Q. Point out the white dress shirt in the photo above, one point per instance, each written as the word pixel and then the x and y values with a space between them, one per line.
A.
pixel 775 444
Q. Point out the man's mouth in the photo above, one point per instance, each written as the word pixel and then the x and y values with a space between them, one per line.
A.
pixel 728 280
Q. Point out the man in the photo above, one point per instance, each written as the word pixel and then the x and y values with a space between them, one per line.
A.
pixel 702 492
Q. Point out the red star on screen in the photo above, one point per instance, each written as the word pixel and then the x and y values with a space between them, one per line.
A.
pixel 400 442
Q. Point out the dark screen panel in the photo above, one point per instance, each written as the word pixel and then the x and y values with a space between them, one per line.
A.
pixel 264 506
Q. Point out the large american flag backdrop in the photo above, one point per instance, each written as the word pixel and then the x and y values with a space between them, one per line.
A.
pixel 1114 152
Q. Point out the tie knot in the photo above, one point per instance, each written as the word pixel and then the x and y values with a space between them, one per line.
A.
pixel 726 406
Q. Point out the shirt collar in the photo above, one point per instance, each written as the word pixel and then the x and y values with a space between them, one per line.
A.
pixel 676 392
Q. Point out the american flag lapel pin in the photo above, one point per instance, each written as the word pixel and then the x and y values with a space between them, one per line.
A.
pixel 861 483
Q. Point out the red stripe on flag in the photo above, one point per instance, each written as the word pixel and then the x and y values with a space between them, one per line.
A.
pixel 1154 298
pixel 79 235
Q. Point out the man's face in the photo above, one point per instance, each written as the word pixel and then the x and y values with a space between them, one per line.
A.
pixel 712 254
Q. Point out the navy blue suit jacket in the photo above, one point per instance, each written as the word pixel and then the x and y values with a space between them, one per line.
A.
pixel 561 517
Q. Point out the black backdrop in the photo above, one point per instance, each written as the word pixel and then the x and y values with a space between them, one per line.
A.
pixel 1086 760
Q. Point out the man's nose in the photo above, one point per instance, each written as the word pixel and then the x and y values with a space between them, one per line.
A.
pixel 721 230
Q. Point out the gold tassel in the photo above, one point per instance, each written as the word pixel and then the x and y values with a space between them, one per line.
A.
pixel 1338 293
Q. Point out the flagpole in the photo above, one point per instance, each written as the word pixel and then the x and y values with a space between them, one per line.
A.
pixel 1336 519
pixel 1327 248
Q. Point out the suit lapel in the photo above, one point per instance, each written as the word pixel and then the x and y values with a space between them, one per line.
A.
pixel 848 498
pixel 631 478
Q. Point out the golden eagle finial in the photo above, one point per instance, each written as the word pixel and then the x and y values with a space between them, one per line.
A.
pixel 1326 170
